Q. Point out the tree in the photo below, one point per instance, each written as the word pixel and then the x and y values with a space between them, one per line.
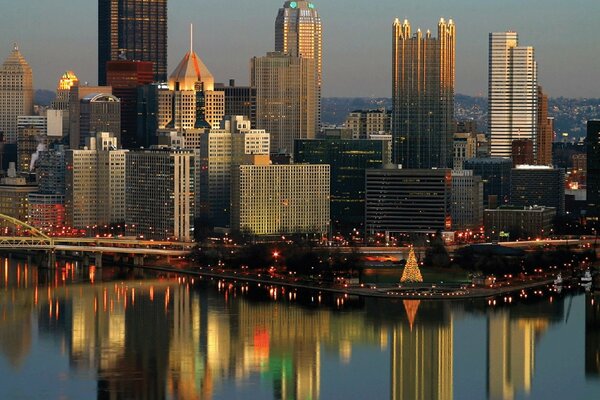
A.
pixel 412 273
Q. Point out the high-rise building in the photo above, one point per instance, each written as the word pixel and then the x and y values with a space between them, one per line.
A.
pixel 365 123
pixel 14 195
pixel 63 89
pixel 392 196
pixel 16 93
pixel 299 33
pixel 76 94
pixel 348 158
pixel 134 30
pixel 593 167
pixel 522 152
pixel 220 151
pixel 286 98
pixel 512 93
pixel 125 77
pixel 545 130
pixel 536 185
pixel 99 112
pixel 160 193
pixel 239 100
pixel 423 76
pixel 280 199
pixel 467 200
pixel 95 183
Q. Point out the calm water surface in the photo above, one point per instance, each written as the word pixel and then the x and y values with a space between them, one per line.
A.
pixel 77 333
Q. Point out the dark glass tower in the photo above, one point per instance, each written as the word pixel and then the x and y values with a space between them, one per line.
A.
pixel 134 30
pixel 593 168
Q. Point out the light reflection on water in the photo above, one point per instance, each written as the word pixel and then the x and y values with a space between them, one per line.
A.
pixel 111 334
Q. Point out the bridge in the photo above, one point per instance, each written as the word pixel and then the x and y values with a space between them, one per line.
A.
pixel 36 240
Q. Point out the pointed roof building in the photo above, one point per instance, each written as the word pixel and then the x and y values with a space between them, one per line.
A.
pixel 190 70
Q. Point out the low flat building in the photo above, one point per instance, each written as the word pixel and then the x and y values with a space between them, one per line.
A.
pixel 269 200
pixel 535 185
pixel 510 222
pixel 408 201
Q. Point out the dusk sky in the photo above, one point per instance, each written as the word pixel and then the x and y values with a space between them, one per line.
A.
pixel 62 34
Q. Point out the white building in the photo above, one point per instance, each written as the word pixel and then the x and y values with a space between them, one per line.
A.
pixel 280 199
pixel 512 93
pixel 95 183
pixel 160 193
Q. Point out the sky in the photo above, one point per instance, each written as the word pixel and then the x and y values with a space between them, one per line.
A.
pixel 62 34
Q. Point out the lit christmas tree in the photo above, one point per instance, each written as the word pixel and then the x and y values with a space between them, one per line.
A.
pixel 412 273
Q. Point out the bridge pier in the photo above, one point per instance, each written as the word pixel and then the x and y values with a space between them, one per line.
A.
pixel 51 259
pixel 98 260
pixel 138 260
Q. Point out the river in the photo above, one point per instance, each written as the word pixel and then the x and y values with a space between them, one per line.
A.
pixel 81 333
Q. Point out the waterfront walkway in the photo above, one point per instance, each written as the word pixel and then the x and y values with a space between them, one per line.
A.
pixel 431 292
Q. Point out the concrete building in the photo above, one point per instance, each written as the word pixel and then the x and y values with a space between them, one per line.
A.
pixel 408 201
pixel 533 185
pixel 221 150
pixel 348 158
pixel 76 94
pixel 512 93
pixel 522 152
pixel 270 200
pixel 46 211
pixel 511 222
pixel 95 183
pixel 125 77
pixel 30 141
pixel 160 193
pixel 467 200
pixel 239 100
pixel 286 98
pixel 495 174
pixel 593 167
pixel 365 123
pixel 299 33
pixel 16 93
pixel 423 77
pixel 465 146
pixel 545 131
pixel 14 195
pixel 99 112
pixel 132 30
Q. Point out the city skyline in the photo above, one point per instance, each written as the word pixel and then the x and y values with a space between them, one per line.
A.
pixel 344 34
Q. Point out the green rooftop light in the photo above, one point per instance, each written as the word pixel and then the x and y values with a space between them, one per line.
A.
pixel 293 4
pixel 311 5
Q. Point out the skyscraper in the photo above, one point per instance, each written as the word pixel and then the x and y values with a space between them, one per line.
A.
pixel 423 74
pixel 299 33
pixel 545 130
pixel 512 93
pixel 16 93
pixel 285 98
pixel 593 167
pixel 134 30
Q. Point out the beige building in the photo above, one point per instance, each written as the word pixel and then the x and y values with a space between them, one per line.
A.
pixel 280 199
pixel 95 184
pixel 14 195
pixel 221 149
pixel 367 123
pixel 299 33
pixel 160 193
pixel 545 131
pixel 286 98
pixel 16 93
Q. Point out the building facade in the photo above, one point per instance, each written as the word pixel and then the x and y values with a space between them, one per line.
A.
pixel 522 152
pixel 286 98
pixel 512 93
pixel 593 167
pixel 16 93
pixel 365 123
pixel 239 100
pixel 270 200
pixel 408 201
pixel 518 222
pixel 467 200
pixel 299 33
pixel 348 158
pixel 134 30
pixel 99 112
pixel 533 185
pixel 160 193
pixel 545 130
pixel 76 94
pixel 125 77
pixel 495 174
pixel 423 76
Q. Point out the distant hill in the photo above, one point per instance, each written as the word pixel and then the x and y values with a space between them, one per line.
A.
pixel 570 115
pixel 43 97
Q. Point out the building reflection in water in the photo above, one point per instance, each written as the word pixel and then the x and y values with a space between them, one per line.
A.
pixel 592 336
pixel 153 339
pixel 512 337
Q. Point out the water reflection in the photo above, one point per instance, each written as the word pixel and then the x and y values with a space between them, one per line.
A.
pixel 143 337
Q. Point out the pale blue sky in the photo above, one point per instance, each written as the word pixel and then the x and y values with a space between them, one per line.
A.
pixel 61 34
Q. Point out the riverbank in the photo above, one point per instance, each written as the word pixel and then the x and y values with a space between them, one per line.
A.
pixel 432 292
